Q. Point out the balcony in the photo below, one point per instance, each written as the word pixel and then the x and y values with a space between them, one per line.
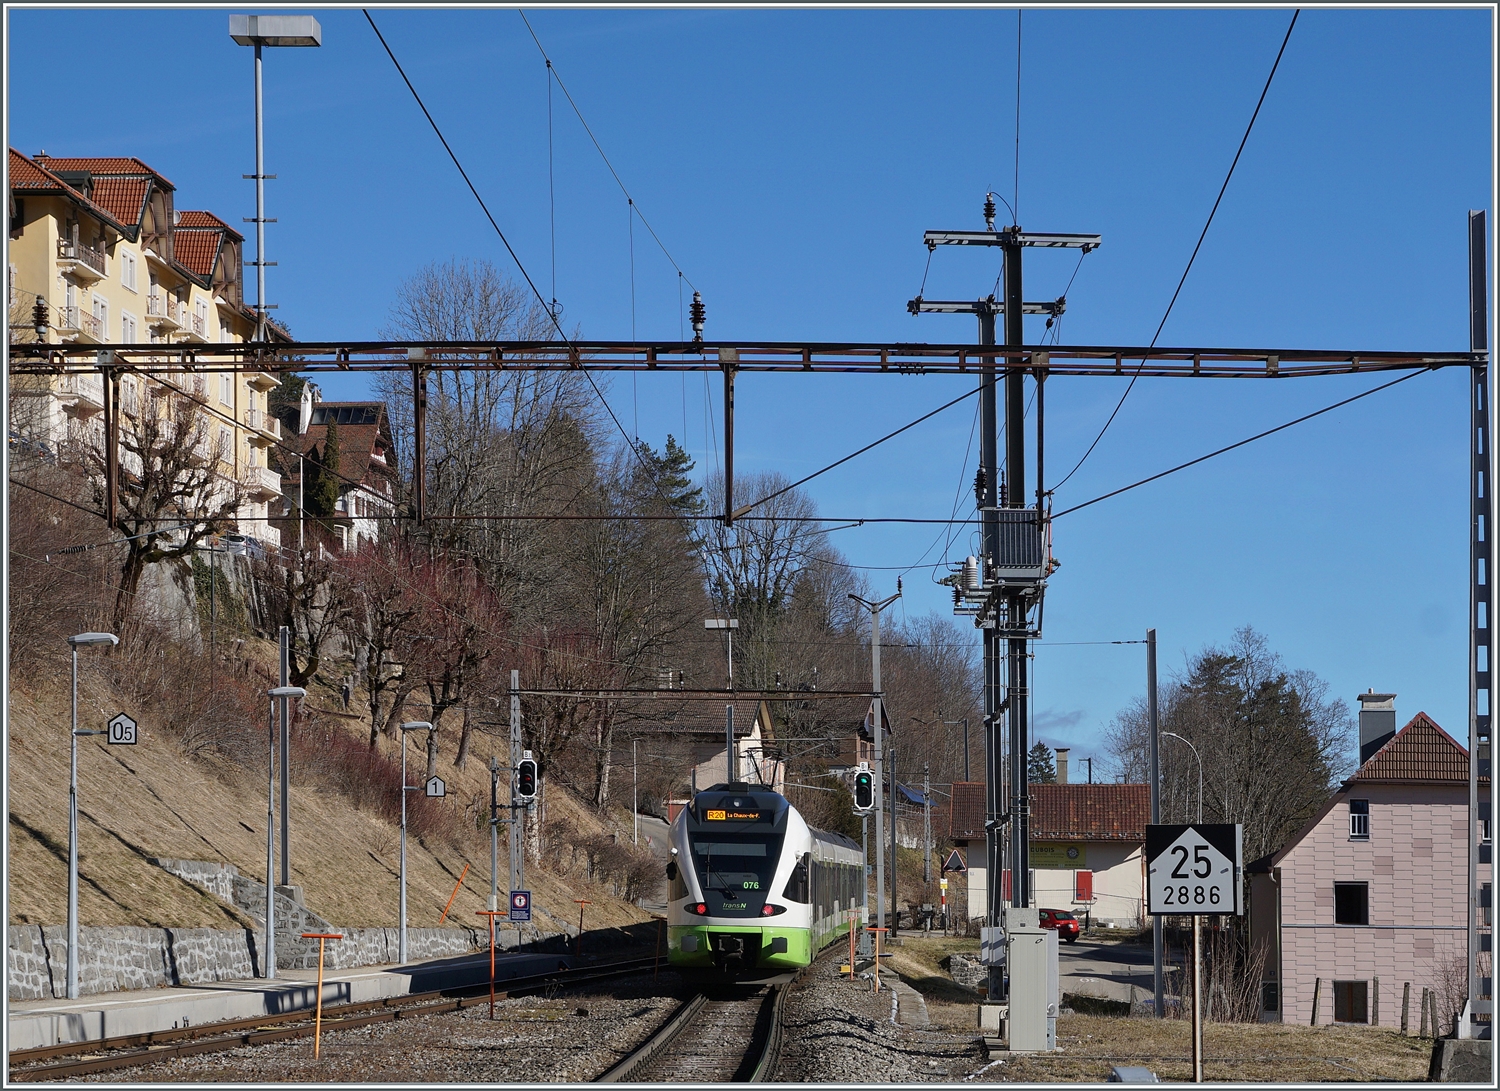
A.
pixel 81 396
pixel 81 326
pixel 261 483
pixel 194 325
pixel 263 380
pixel 83 262
pixel 163 311
pixel 265 428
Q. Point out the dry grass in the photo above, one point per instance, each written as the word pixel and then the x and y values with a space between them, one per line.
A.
pixel 1233 1052
pixel 155 800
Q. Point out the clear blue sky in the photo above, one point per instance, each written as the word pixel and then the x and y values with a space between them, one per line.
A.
pixel 791 160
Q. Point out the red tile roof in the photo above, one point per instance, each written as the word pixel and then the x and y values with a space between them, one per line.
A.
pixel 196 250
pixel 26 174
pixel 1090 812
pixel 122 198
pixel 199 218
pixel 966 819
pixel 1420 753
pixel 101 164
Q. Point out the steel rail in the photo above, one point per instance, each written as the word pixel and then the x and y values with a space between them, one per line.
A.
pixel 139 1049
pixel 754 1065
pixel 653 1046
pixel 776 357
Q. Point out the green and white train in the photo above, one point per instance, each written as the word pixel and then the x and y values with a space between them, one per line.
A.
pixel 751 889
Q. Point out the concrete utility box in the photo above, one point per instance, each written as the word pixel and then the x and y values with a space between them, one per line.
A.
pixel 1033 984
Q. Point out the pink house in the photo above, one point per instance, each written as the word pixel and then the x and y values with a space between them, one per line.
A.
pixel 1370 896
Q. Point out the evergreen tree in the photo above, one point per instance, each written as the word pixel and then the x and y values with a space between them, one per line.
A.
pixel 322 486
pixel 670 472
pixel 1039 766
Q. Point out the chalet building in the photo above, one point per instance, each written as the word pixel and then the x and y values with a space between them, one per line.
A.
pixel 1087 848
pixel 1371 894
pixel 101 255
pixel 367 473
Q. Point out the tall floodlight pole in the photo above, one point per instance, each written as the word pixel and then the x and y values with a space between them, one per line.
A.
pixel 1482 467
pixel 284 736
pixel 1194 749
pixel 411 725
pixel 1158 982
pixel 82 640
pixel 877 712
pixel 258 31
pixel 278 696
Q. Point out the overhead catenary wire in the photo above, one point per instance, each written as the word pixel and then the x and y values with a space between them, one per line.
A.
pixel 1243 442
pixel 1201 236
pixel 551 310
pixel 600 149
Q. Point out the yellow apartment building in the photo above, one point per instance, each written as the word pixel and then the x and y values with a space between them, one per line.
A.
pixel 99 254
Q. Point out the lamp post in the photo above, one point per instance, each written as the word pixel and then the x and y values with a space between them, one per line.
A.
pixel 1194 749
pixel 411 725
pixel 258 31
pixel 277 694
pixel 965 722
pixel 82 640
pixel 728 625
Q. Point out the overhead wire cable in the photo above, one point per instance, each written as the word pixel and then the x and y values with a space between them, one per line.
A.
pixel 598 147
pixel 862 450
pixel 1241 443
pixel 1015 206
pixel 1194 257
pixel 551 313
pixel 551 186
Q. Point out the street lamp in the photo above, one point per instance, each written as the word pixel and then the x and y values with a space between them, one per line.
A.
pixel 275 694
pixel 257 31
pixel 1194 749
pixel 82 640
pixel 410 725
pixel 965 722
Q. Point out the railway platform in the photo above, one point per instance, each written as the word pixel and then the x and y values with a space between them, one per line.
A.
pixel 32 1024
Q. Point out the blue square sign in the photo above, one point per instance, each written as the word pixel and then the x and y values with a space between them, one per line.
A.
pixel 520 905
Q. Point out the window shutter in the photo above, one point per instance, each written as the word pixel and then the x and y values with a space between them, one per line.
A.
pixel 1083 886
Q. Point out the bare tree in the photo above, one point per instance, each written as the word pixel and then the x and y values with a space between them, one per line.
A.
pixel 376 620
pixel 172 493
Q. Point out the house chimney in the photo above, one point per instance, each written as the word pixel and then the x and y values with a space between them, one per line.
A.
pixel 1377 722
pixel 1062 764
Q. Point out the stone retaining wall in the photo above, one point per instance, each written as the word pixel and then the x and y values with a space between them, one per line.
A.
pixel 115 959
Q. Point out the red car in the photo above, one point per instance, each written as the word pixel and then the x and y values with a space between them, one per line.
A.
pixel 1065 923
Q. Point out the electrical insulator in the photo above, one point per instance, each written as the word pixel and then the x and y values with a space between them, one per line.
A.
pixel 958 597
pixel 989 212
pixel 971 574
pixel 39 318
pixel 526 778
pixel 1000 496
pixel 697 313
pixel 864 791
pixel 979 486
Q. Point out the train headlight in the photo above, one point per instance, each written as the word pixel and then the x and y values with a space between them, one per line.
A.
pixel 769 910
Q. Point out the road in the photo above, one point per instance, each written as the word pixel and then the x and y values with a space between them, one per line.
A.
pixel 1105 970
pixel 654 841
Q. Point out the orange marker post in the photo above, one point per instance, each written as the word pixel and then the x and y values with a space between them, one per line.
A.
pixel 578 950
pixel 321 937
pixel 851 944
pixel 453 895
pixel 491 914
pixel 877 932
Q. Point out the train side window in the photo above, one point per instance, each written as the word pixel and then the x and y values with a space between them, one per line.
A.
pixel 677 885
pixel 797 886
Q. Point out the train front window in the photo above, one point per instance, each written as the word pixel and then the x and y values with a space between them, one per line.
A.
pixel 736 873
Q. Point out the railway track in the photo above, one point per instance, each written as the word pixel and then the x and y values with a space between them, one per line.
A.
pixel 721 1035
pixel 127 1051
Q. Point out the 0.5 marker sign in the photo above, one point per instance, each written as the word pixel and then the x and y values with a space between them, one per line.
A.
pixel 1194 869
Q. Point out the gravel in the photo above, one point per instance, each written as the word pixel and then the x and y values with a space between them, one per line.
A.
pixel 838 1031
pixel 533 1039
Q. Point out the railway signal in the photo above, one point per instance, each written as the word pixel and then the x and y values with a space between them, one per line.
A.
pixel 526 777
pixel 864 790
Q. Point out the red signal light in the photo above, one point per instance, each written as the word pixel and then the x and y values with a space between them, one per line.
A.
pixel 699 908
pixel 769 910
